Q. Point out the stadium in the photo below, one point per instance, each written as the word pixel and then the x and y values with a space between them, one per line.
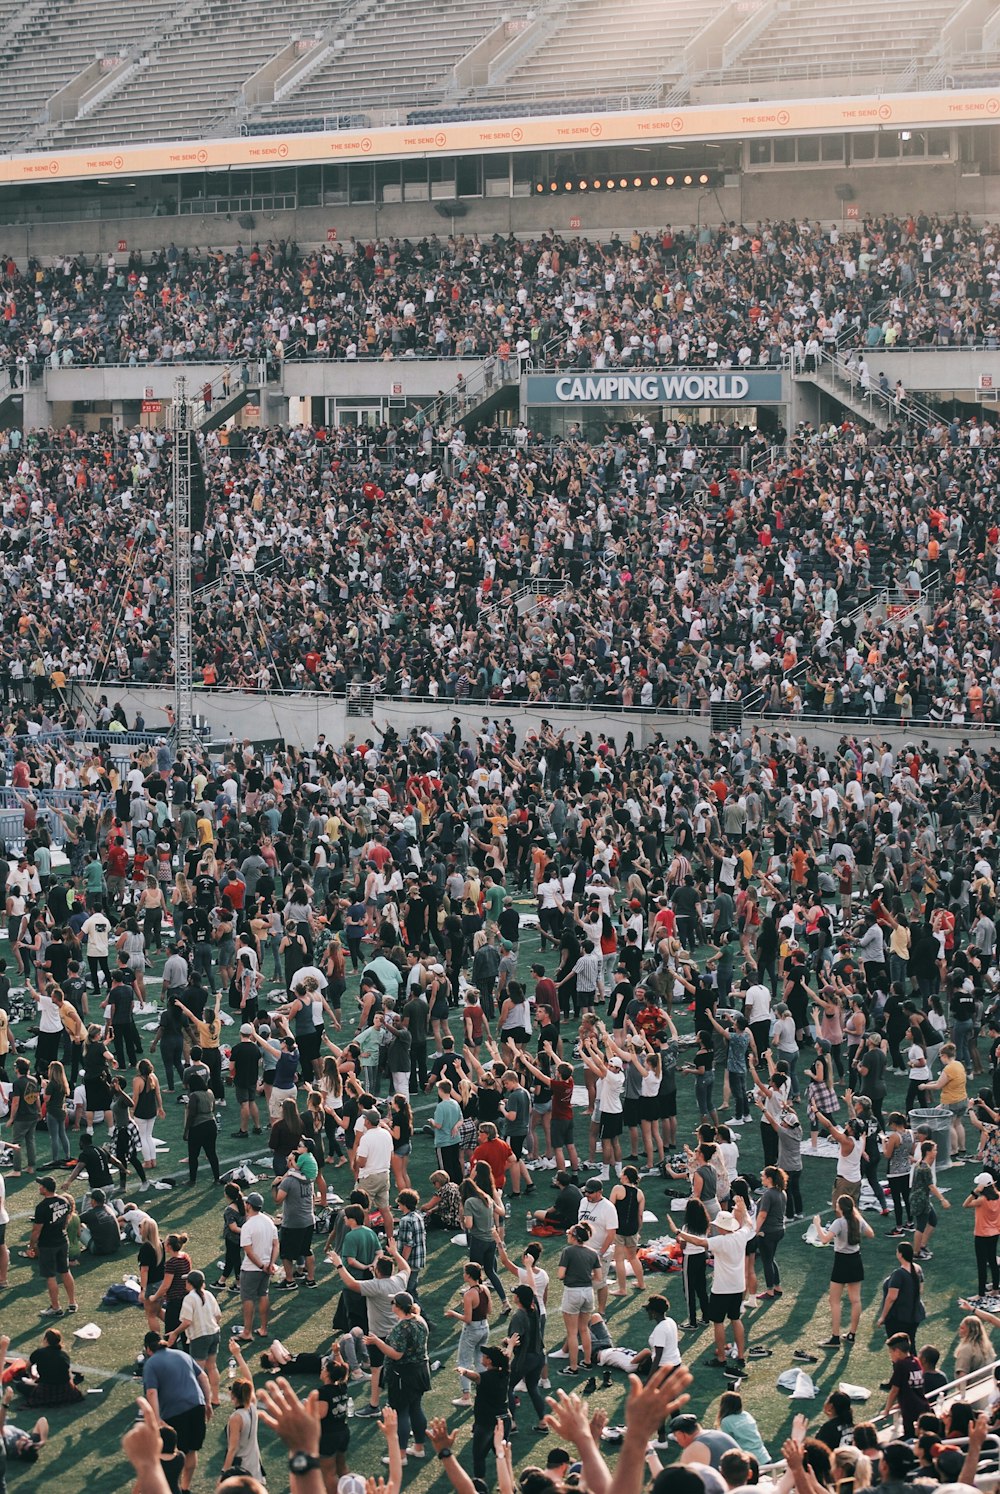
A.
pixel 499 673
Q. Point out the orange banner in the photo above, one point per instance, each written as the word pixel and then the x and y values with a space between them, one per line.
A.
pixel 707 122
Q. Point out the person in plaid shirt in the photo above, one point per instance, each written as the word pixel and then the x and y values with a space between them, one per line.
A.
pixel 411 1238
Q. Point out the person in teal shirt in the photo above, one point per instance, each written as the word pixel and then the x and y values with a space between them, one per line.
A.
pixel 446 1123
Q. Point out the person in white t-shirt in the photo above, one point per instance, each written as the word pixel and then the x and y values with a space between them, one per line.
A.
pixel 601 1215
pixel 727 1245
pixel 373 1159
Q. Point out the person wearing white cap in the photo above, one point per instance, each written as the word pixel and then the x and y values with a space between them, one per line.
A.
pixel 726 1243
pixel 984 1197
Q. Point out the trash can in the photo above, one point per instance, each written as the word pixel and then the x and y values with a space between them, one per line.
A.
pixel 937 1121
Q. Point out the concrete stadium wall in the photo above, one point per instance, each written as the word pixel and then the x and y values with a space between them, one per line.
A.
pixel 300 719
pixel 793 191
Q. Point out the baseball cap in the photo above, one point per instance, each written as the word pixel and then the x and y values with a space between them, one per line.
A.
pixel 403 1301
pixel 684 1423
pixel 246 1030
pixel 983 1180
pixel 255 1200
pixel 351 1483
pixel 592 1185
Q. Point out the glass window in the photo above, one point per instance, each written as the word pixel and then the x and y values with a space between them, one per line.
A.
pixel 832 147
pixel 888 146
pixel 760 152
pixel 939 143
pixel 362 181
pixel 784 149
pixel 863 148
pixel 469 176
pixel 808 148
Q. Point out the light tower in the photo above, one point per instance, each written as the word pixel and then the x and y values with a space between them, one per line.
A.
pixel 183 435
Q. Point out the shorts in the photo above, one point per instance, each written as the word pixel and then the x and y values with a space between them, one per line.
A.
pixel 668 1104
pixel 53 1260
pixel 3 1234
pixel 723 1305
pixel 375 1356
pixel 308 1047
pixel 959 1108
pixel 631 1111
pixel 295 1240
pixel 190 1429
pixel 848 1267
pixel 205 1347
pixel 649 1107
pixel 631 1242
pixel 402 1149
pixel 336 1441
pixel 518 1035
pixel 542 1107
pixel 577 1299
pixel 611 1125
pixel 376 1185
pixel 277 1099
pixel 244 1096
pixel 923 1221
pixel 562 1131
pixel 254 1285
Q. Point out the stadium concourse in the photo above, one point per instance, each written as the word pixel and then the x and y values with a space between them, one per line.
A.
pixel 735 295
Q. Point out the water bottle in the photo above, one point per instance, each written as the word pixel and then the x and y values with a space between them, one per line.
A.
pixel 436 1366
pixel 232 1369
pixel 350 1406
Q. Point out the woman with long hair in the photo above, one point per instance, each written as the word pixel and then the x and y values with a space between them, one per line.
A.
pixel 56 1098
pixel 171 1289
pixel 132 944
pixel 770 1226
pixel 200 1320
pixel 401 1125
pixel 473 1312
pixel 286 1133
pixel 147 1108
pixel 234 1215
pixel 902 1302
pixel 181 903
pixel 630 1202
pixel 98 1061
pixel 481 1214
pixel 694 1267
pixel 846 1233
pixel 528 1362
pixel 151 906
pixel 151 1261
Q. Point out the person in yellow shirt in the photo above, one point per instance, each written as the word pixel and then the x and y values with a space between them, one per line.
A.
pixel 953 1084
pixel 206 834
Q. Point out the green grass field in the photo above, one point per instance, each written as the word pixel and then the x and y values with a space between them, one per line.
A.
pixel 85 1440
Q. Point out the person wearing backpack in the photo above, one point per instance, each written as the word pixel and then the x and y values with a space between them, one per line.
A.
pixel 24 1115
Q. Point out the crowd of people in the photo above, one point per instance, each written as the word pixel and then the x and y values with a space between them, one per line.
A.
pixel 692 572
pixel 732 295
pixel 790 929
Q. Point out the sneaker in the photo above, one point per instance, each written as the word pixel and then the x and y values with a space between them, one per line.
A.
pixel 286 1286
pixel 849 1338
pixel 832 1342
pixel 606 1380
pixel 590 1386
pixel 368 1411
pixel 804 1357
pixel 739 1365
pixel 72 1307
pixel 51 1312
pixel 558 1354
pixel 925 1255
pixel 310 1284
pixel 719 1364
pixel 239 1134
pixel 462 1400
pixel 894 1234
pixel 569 1370
pixel 658 1446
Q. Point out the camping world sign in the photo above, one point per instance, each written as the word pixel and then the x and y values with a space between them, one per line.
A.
pixel 665 387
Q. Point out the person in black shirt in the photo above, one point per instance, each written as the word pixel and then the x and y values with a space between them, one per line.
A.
pixel 48 1244
pixel 492 1391
pixel 121 1000
pixel 244 1066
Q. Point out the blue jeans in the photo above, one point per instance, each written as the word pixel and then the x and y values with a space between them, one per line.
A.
pixel 58 1136
pixel 738 1090
pixel 790 1057
pixel 470 1342
pixel 962 1032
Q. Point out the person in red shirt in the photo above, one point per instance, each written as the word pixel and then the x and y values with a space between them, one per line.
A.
pixel 546 993
pixel 494 1151
pixel 561 1086
pixel 115 868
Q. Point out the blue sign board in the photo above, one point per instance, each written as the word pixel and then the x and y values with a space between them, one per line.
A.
pixel 673 386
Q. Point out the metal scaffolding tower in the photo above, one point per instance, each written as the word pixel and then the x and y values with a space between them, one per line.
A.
pixel 183 657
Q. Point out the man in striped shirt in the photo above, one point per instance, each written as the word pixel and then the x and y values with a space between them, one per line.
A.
pixel 589 972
